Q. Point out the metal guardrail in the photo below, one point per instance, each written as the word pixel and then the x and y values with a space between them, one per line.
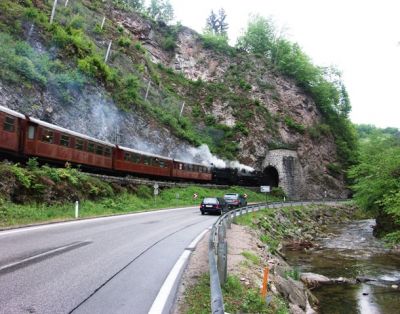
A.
pixel 218 246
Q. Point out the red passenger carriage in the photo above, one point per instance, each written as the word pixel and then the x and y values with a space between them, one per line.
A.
pixel 134 161
pixel 10 129
pixel 189 171
pixel 49 141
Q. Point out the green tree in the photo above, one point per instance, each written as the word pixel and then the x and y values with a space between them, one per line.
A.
pixel 161 10
pixel 136 5
pixel 212 23
pixel 217 25
pixel 377 176
pixel 259 36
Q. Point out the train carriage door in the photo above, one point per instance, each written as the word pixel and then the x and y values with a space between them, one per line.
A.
pixel 30 138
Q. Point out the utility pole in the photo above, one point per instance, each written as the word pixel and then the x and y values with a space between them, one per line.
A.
pixel 66 3
pixel 102 23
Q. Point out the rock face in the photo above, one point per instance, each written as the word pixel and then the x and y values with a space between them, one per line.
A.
pixel 299 160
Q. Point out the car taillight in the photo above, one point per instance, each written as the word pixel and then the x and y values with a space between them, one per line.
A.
pixel 218 206
pixel 236 202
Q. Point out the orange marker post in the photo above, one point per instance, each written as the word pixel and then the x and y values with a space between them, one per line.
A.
pixel 265 282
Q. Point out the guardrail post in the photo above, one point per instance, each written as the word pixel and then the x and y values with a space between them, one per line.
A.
pixel 229 220
pixel 240 211
pixel 247 210
pixel 222 261
pixel 221 233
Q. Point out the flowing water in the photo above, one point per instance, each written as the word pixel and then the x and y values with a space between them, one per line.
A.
pixel 350 250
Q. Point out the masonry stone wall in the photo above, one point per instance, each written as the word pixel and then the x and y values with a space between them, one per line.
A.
pixel 290 171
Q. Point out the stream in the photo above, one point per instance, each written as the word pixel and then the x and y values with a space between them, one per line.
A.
pixel 350 250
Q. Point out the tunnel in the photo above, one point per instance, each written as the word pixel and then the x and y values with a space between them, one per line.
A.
pixel 270 177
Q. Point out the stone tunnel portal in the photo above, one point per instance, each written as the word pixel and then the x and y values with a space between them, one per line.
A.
pixel 271 177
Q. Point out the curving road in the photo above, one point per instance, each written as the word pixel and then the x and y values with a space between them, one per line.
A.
pixel 107 265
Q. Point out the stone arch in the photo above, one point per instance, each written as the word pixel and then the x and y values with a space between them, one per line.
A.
pixel 270 177
pixel 286 163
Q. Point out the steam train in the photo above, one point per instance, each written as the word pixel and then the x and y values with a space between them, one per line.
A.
pixel 23 136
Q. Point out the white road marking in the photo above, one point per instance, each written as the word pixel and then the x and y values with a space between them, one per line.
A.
pixel 165 291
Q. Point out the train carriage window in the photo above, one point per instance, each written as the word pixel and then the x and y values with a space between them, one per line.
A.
pixel 99 150
pixel 127 156
pixel 64 141
pixel 107 151
pixel 9 124
pixel 162 164
pixel 147 160
pixel 90 147
pixel 48 136
pixel 31 132
pixel 180 166
pixel 135 158
pixel 79 144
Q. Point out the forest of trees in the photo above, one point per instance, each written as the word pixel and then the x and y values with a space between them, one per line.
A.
pixel 377 175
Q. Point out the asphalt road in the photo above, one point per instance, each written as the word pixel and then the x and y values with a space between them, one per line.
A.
pixel 108 265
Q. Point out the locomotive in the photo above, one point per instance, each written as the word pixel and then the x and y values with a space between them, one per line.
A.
pixel 23 137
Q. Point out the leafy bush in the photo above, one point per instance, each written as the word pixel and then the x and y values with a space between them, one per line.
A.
pixel 124 41
pixel 217 42
pixel 278 192
pixel 294 125
pixel 77 22
pixel 144 191
pixel 241 127
pixel 128 91
pixel 168 43
pixel 95 67
pixel 210 120
pixel 196 111
pixel 23 176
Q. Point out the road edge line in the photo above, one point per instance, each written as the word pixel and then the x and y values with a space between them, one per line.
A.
pixel 165 290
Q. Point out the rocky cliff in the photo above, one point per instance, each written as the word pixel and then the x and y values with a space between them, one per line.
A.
pixel 188 93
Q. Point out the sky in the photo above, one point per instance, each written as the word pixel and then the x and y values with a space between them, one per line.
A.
pixel 360 37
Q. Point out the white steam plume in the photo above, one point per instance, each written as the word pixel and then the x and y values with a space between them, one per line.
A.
pixel 203 156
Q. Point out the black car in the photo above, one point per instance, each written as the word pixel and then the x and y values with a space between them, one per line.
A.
pixel 213 205
pixel 235 200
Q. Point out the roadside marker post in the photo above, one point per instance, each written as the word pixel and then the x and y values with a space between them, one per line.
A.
pixel 76 209
pixel 265 282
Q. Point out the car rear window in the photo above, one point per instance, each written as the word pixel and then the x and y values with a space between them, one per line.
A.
pixel 210 200
pixel 231 196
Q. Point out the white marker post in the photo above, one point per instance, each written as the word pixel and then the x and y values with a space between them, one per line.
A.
pixel 102 23
pixel 53 11
pixel 76 209
pixel 108 52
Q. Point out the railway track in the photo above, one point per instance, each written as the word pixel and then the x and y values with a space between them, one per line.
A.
pixel 149 182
